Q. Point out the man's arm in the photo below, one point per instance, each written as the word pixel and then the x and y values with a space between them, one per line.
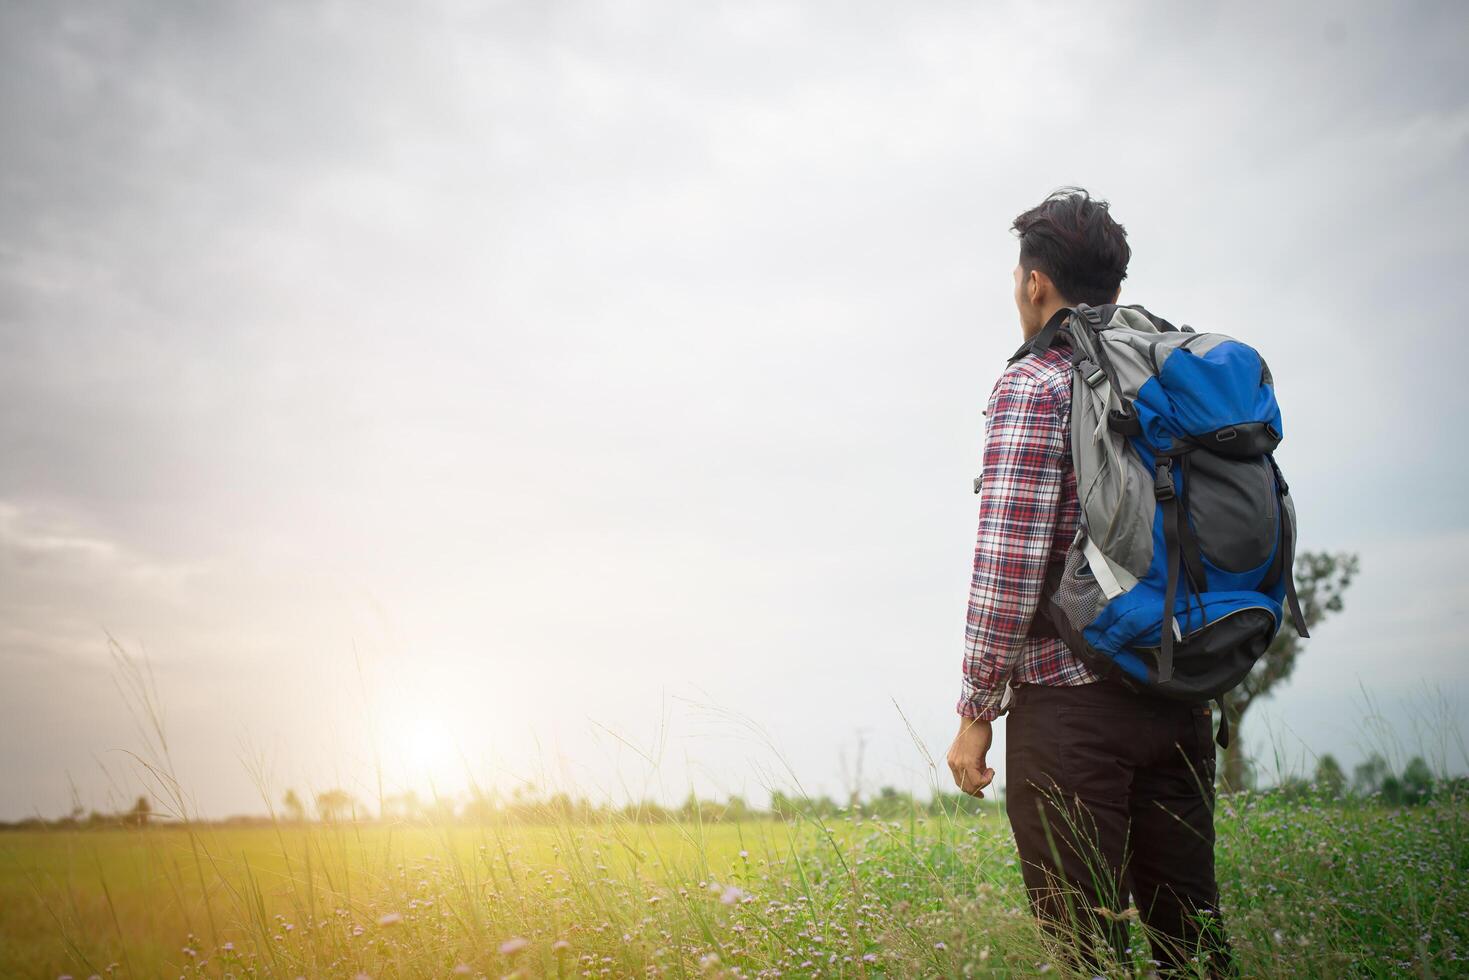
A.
pixel 1024 445
pixel 1024 448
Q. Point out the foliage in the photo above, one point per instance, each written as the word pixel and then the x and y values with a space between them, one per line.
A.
pixel 295 809
pixel 1329 777
pixel 1321 581
pixel 333 805
pixel 1369 774
pixel 139 815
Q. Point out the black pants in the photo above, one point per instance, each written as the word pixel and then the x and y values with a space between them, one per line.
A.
pixel 1110 794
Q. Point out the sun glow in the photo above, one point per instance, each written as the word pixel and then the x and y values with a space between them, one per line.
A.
pixel 429 745
pixel 427 749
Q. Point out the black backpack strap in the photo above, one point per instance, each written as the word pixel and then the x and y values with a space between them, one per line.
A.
pixel 1172 514
pixel 1288 546
pixel 1043 340
pixel 1223 737
pixel 1188 541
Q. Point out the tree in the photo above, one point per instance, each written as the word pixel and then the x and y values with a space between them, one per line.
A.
pixel 1368 776
pixel 736 809
pixel 401 806
pixel 140 813
pixel 783 806
pixel 1329 777
pixel 1293 788
pixel 1417 781
pixel 333 804
pixel 295 809
pixel 891 802
pixel 1321 579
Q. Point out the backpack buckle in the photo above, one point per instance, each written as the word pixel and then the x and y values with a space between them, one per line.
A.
pixel 1163 479
pixel 1091 373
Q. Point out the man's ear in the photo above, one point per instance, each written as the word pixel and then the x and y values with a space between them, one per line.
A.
pixel 1036 285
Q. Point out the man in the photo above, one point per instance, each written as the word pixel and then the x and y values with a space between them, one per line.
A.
pixel 1109 792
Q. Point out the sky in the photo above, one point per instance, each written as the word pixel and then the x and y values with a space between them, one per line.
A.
pixel 587 395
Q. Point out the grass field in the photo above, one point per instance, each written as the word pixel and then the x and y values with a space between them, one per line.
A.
pixel 1310 888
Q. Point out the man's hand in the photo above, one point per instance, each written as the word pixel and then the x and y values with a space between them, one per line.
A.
pixel 966 756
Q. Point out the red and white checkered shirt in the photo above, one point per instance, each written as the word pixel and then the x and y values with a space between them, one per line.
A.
pixel 1028 514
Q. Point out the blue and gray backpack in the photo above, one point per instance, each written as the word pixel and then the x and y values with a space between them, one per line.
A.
pixel 1181 567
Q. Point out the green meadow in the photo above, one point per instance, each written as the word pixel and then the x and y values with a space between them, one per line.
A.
pixel 1311 887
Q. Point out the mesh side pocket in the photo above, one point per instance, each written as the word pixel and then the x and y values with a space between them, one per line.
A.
pixel 1080 597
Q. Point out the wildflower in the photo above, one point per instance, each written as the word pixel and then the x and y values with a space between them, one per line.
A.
pixel 731 895
pixel 512 946
pixel 870 958
pixel 390 919
pixel 462 970
pixel 559 945
pixel 940 945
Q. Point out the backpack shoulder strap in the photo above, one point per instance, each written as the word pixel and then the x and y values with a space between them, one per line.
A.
pixel 1042 341
pixel 1162 325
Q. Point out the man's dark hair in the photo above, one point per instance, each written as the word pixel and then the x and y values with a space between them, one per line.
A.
pixel 1072 238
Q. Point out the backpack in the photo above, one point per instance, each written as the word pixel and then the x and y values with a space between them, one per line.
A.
pixel 1181 567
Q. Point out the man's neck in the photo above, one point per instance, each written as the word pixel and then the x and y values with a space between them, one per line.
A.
pixel 1046 313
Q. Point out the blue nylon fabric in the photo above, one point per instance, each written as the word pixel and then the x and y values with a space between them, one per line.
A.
pixel 1132 665
pixel 1135 618
pixel 1196 394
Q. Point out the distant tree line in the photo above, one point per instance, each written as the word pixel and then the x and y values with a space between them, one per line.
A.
pixel 1374 779
pixel 140 814
pixel 524 805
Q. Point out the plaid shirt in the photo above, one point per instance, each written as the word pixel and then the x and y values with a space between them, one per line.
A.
pixel 1028 515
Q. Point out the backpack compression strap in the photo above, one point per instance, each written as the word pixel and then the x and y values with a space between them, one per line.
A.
pixel 1172 515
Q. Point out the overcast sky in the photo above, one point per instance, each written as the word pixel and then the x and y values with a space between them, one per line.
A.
pixel 548 384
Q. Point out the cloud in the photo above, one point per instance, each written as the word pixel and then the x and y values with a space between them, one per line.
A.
pixel 603 351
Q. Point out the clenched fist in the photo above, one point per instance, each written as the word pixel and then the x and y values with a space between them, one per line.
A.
pixel 966 757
